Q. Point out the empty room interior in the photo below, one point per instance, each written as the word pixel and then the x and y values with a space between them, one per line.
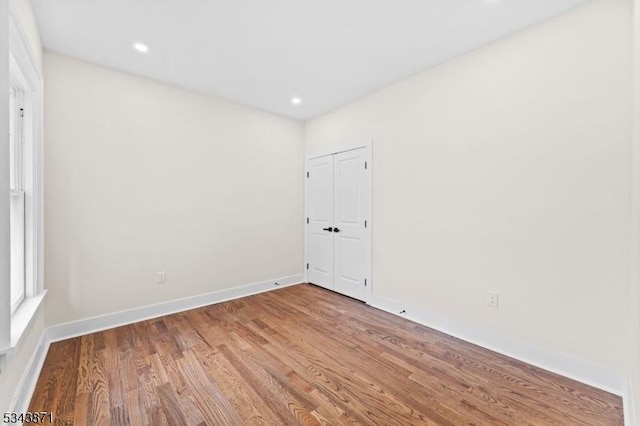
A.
pixel 419 212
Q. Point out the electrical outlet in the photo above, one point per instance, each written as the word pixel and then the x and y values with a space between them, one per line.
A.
pixel 492 299
pixel 162 277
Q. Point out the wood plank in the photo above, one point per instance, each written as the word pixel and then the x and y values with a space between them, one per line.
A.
pixel 170 405
pixel 215 408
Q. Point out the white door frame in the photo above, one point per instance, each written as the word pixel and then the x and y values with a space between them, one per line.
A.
pixel 368 145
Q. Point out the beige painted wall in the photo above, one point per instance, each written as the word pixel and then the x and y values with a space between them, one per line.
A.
pixel 10 378
pixel 144 177
pixel 507 169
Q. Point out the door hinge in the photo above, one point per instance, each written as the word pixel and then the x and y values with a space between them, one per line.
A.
pixel 365 165
pixel 365 223
pixel 307 175
pixel 365 282
pixel 307 266
pixel 307 221
pixel 21 112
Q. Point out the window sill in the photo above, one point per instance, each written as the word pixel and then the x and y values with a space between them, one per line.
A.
pixel 21 319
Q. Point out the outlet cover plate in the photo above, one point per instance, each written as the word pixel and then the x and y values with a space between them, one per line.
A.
pixel 493 299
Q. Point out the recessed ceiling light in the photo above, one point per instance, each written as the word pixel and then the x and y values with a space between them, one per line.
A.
pixel 296 100
pixel 141 47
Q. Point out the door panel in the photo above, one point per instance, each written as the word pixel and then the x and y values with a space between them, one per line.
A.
pixel 350 206
pixel 348 190
pixel 320 212
pixel 347 264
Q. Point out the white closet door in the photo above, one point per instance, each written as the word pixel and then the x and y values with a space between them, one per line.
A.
pixel 320 210
pixel 351 198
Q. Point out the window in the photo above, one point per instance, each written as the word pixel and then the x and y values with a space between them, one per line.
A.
pixel 17 194
pixel 21 96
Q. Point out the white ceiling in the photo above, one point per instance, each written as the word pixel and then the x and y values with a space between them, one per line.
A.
pixel 264 52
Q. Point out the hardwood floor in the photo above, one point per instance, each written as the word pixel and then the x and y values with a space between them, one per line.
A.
pixel 301 355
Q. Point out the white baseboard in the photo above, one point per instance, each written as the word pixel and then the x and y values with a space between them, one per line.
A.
pixel 550 360
pixel 565 365
pixel 22 396
pixel 20 401
pixel 629 408
pixel 104 322
pixel 26 387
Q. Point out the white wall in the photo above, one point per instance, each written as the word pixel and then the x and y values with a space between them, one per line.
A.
pixel 16 368
pixel 507 169
pixel 143 177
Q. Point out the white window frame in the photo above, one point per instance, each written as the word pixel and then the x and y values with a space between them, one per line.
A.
pixel 17 193
pixel 24 74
